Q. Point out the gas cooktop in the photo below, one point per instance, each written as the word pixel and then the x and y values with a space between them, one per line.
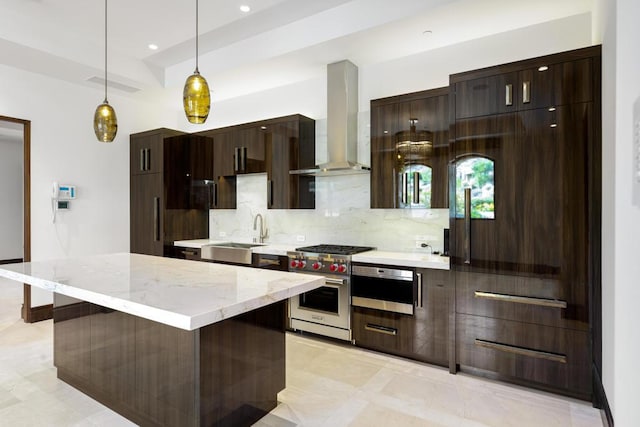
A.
pixel 334 249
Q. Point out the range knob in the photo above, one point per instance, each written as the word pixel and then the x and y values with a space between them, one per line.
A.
pixel 339 268
pixel 317 265
pixel 295 263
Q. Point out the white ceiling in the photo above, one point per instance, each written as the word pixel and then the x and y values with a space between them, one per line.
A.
pixel 279 41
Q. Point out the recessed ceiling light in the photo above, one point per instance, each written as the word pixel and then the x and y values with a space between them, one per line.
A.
pixel 244 8
pixel 427 32
pixel 153 46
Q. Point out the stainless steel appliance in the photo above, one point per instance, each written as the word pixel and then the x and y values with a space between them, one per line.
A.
pixel 388 289
pixel 326 310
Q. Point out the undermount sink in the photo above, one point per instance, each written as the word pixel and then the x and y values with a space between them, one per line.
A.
pixel 233 252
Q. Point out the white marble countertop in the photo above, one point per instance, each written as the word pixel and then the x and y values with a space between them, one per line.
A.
pixel 404 259
pixel 181 293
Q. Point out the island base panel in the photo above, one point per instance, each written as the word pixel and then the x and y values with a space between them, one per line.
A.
pixel 227 373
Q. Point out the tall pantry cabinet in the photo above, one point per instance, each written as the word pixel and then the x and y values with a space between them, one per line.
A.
pixel 171 176
pixel 524 219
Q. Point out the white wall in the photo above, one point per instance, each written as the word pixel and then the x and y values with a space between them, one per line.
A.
pixel 342 213
pixel 64 149
pixel 621 219
pixel 11 170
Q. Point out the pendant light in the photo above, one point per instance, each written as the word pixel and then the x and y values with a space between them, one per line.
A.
pixel 195 96
pixel 105 122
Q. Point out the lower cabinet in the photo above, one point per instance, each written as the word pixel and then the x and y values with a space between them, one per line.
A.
pixel 549 357
pixel 270 262
pixel 382 330
pixel 182 252
pixel 422 336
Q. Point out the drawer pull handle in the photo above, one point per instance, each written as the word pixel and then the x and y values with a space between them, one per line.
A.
pixel 561 358
pixel 381 329
pixel 544 302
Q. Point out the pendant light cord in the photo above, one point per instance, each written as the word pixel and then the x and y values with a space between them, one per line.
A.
pixel 105 51
pixel 197 37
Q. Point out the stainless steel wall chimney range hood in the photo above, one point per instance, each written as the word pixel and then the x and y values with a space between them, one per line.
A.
pixel 342 123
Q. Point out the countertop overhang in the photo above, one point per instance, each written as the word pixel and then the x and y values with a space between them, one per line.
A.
pixel 180 293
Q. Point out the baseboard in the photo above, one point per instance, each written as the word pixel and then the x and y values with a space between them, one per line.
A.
pixel 600 399
pixel 42 312
pixel 11 261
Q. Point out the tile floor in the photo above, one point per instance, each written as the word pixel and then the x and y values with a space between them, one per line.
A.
pixel 327 385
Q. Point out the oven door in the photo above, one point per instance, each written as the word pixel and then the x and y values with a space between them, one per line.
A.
pixel 383 288
pixel 327 305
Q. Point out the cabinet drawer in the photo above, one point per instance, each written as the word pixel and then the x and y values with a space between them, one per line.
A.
pixel 524 299
pixel 381 330
pixel 543 355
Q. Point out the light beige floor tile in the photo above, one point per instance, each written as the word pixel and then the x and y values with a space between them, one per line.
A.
pixel 329 384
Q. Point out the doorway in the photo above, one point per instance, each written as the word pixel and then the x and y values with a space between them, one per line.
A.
pixel 18 131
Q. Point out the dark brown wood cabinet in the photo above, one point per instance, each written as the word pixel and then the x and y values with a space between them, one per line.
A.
pixel 290 145
pixel 274 146
pixel 410 175
pixel 422 336
pixel 523 212
pixel 536 83
pixel 431 318
pixel 172 204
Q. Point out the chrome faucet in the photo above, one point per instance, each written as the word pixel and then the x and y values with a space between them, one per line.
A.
pixel 263 231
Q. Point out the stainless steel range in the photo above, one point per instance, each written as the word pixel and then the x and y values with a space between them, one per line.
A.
pixel 326 310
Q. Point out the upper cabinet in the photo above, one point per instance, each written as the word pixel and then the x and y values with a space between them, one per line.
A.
pixel 146 151
pixel 274 146
pixel 290 145
pixel 540 84
pixel 188 172
pixel 409 150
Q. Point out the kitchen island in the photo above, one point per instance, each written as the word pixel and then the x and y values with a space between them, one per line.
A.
pixel 169 342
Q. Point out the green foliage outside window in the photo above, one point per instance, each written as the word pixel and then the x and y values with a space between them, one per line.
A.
pixel 476 173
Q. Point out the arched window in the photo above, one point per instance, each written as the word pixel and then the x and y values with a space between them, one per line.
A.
pixel 476 173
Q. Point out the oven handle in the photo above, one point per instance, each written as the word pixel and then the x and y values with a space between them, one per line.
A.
pixel 334 281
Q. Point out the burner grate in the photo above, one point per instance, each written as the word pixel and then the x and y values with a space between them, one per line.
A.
pixel 335 249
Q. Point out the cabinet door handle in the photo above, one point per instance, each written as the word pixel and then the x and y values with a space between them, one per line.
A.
pixel 416 187
pixel 508 94
pixel 215 194
pixel 544 302
pixel 538 354
pixel 467 226
pixel 526 92
pixel 148 159
pixel 269 193
pixel 243 158
pixel 143 155
pixel 395 189
pixel 381 329
pixel 405 187
pixel 419 303
pixel 156 218
pixel 236 159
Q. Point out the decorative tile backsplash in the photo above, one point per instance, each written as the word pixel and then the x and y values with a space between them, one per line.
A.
pixel 342 216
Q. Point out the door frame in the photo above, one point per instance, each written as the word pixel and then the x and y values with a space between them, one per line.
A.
pixel 26 312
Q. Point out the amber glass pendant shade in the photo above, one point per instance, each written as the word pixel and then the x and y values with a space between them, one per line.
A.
pixel 196 98
pixel 105 122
